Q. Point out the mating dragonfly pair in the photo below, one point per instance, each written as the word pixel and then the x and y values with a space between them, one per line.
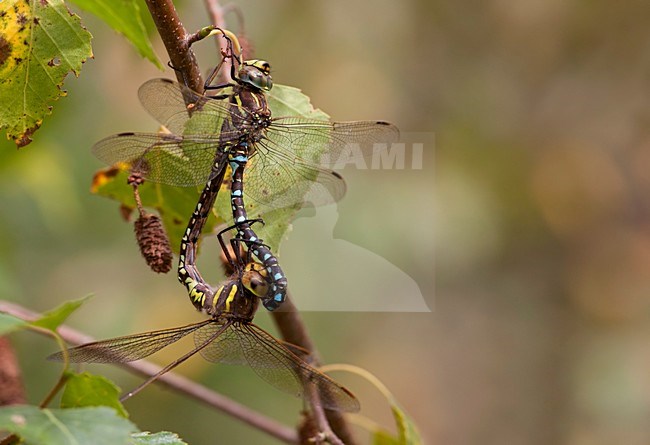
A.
pixel 293 160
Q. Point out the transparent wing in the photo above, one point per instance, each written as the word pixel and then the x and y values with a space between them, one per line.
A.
pixel 164 158
pixel 224 349
pixel 185 156
pixel 130 347
pixel 281 368
pixel 293 159
pixel 276 182
pixel 293 163
pixel 330 144
pixel 175 106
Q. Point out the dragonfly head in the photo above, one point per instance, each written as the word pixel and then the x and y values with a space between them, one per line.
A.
pixel 254 279
pixel 256 73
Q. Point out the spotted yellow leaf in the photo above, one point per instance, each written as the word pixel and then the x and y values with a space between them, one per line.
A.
pixel 41 41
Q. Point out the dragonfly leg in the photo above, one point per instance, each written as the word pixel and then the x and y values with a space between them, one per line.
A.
pixel 228 54
pixel 251 222
pixel 235 244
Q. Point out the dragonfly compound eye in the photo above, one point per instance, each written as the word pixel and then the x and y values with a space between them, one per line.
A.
pixel 257 74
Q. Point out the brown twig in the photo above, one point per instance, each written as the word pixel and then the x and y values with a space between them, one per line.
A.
pixel 324 427
pixel 293 330
pixel 175 382
pixel 176 41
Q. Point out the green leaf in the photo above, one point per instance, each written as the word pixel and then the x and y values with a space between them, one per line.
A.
pixel 52 319
pixel 290 101
pixel 174 204
pixel 161 438
pixel 124 17
pixel 9 323
pixel 85 389
pixel 77 426
pixel 277 221
pixel 383 437
pixel 407 432
pixel 40 43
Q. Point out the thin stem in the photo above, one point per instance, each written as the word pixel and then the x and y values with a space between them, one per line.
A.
pixel 60 383
pixel 175 382
pixel 138 200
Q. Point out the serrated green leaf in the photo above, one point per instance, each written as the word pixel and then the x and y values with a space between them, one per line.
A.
pixel 85 389
pixel 52 319
pixel 40 43
pixel 76 426
pixel 161 438
pixel 124 17
pixel 9 323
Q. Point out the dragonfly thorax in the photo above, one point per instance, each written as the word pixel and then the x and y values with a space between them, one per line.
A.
pixel 256 73
pixel 232 300
pixel 251 131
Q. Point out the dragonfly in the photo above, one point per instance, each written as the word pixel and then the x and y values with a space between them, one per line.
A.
pixel 291 157
pixel 229 337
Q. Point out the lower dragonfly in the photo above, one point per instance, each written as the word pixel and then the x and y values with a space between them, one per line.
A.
pixel 229 336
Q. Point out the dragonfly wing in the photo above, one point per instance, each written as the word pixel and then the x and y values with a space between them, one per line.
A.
pixel 281 368
pixel 159 157
pixel 293 163
pixel 331 144
pixel 224 349
pixel 127 348
pixel 179 108
pixel 279 182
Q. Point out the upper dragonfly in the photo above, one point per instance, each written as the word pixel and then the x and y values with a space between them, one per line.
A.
pixel 290 157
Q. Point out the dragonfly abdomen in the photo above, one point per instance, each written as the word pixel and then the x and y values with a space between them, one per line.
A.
pixel 188 274
pixel 277 281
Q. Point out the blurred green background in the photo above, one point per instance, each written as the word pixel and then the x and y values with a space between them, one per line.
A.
pixel 527 230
